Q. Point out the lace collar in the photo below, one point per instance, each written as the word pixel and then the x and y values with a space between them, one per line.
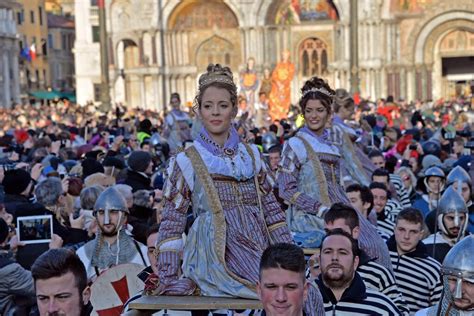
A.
pixel 230 147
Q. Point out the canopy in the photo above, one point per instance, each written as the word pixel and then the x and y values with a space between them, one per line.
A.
pixel 53 94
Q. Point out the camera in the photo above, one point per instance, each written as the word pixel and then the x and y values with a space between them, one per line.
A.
pixel 449 135
pixel 413 147
pixel 469 144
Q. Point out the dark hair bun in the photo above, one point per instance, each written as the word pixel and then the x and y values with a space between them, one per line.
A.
pixel 316 83
pixel 317 89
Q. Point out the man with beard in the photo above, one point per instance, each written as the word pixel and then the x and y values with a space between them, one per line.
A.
pixel 61 284
pixel 462 183
pixel 458 282
pixel 112 245
pixel 452 223
pixel 416 273
pixel 374 275
pixel 343 290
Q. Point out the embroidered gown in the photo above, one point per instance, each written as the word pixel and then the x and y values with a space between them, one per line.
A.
pixel 356 164
pixel 177 129
pixel 223 248
pixel 309 180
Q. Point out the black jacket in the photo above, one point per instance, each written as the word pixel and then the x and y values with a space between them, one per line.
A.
pixel 420 251
pixel 137 181
pixel 15 202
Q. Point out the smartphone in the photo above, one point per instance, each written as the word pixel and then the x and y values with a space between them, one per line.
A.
pixel 111 139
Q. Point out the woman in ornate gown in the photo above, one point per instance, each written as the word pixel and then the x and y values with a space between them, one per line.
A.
pixel 177 128
pixel 236 215
pixel 357 166
pixel 309 175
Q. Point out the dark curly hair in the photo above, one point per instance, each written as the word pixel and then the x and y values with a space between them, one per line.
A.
pixel 216 76
pixel 316 83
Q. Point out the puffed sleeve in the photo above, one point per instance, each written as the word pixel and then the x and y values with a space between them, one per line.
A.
pixel 287 179
pixel 274 215
pixel 177 199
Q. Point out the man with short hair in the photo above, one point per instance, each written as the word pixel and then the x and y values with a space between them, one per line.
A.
pixel 375 276
pixel 274 157
pixel 361 198
pixel 61 284
pixel 112 245
pixel 342 288
pixel 282 287
pixel 385 219
pixel 378 160
pixel 416 273
pixel 393 206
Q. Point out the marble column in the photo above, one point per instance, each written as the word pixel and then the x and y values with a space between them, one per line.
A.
pixel 16 76
pixel 6 80
pixel 156 97
pixel 143 101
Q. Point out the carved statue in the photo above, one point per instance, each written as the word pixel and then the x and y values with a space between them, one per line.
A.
pixel 279 99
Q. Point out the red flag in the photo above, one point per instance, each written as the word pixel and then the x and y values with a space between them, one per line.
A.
pixel 32 51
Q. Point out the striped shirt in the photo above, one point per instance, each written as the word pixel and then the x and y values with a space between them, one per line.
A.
pixel 357 299
pixel 385 223
pixel 393 208
pixel 379 278
pixel 418 276
pixel 402 193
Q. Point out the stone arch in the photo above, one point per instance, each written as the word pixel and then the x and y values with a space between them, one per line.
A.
pixel 313 57
pixel 128 55
pixel 437 34
pixel 271 10
pixel 222 13
pixel 217 50
pixel 423 29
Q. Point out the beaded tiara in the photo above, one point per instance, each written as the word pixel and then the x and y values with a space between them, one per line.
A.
pixel 320 90
pixel 217 73
pixel 216 78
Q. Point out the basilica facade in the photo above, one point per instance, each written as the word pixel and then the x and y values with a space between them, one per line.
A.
pixel 409 49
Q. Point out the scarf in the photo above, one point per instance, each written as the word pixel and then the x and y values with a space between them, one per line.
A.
pixel 323 138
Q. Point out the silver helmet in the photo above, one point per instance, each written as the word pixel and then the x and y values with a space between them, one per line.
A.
pixel 458 174
pixel 452 202
pixel 155 140
pixel 434 172
pixel 110 200
pixel 459 263
pixel 268 141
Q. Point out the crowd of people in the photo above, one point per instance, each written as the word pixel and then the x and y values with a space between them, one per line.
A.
pixel 212 201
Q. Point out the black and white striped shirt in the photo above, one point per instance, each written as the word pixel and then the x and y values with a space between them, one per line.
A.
pixel 379 278
pixel 392 208
pixel 357 299
pixel 385 223
pixel 402 193
pixel 417 275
